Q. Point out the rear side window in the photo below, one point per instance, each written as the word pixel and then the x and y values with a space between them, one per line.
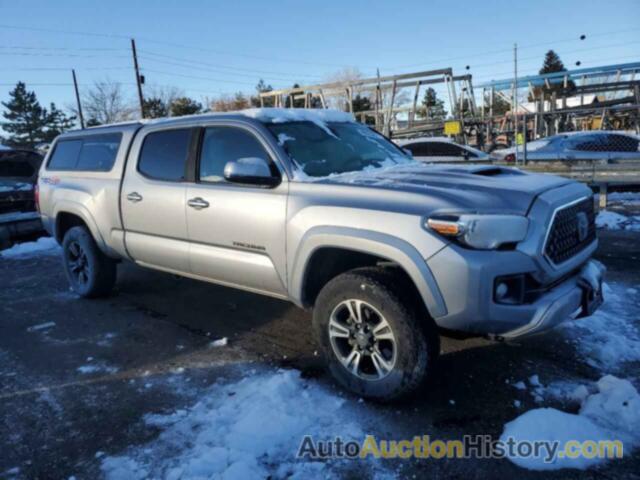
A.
pixel 164 154
pixel 93 153
pixel 419 149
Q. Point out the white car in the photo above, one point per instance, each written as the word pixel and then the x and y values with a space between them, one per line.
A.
pixel 441 149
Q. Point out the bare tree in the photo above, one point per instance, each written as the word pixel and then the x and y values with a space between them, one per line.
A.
pixel 227 103
pixel 167 94
pixel 105 102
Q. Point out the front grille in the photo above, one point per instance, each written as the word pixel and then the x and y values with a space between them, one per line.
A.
pixel 564 240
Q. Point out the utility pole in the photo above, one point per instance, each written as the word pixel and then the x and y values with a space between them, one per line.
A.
pixel 138 78
pixel 514 100
pixel 75 86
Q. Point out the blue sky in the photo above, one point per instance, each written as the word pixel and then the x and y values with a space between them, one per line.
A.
pixel 229 45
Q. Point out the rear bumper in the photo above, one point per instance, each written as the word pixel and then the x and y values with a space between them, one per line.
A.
pixel 15 225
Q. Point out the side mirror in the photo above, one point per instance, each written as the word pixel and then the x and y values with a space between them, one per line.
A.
pixel 250 171
pixel 466 155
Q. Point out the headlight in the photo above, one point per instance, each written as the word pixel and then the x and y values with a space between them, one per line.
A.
pixel 483 232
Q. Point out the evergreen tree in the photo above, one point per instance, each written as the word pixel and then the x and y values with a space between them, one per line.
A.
pixel 154 108
pixel 184 106
pixel 26 119
pixel 261 87
pixel 57 123
pixel 433 107
pixel 552 63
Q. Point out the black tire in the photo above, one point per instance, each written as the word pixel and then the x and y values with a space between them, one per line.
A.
pixel 417 344
pixel 90 272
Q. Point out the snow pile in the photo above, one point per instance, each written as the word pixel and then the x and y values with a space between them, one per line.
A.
pixel 616 221
pixel 613 413
pixel 610 220
pixel 610 337
pixel 631 198
pixel 42 245
pixel 248 429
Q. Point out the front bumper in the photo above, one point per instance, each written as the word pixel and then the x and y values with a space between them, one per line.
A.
pixel 577 297
pixel 466 281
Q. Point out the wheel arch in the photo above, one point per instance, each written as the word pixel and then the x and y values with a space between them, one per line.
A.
pixel 369 246
pixel 72 214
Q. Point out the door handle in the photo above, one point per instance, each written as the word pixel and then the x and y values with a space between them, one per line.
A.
pixel 134 197
pixel 198 203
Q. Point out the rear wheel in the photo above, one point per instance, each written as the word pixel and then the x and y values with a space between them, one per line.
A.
pixel 89 271
pixel 377 340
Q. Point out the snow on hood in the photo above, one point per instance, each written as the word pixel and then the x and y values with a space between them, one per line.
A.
pixel 475 187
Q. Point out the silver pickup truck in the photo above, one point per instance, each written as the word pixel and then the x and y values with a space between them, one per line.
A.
pixel 312 207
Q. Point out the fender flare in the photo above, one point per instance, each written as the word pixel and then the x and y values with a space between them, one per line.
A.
pixel 78 209
pixel 367 241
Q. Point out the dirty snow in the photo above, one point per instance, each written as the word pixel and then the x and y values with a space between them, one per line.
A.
pixel 610 337
pixel 612 413
pixel 41 326
pixel 221 342
pixel 616 221
pixel 251 428
pixel 42 245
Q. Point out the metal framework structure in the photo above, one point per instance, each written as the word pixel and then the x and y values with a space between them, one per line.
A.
pixel 539 105
pixel 383 92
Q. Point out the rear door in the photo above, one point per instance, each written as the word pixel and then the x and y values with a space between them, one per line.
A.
pixel 237 232
pixel 153 200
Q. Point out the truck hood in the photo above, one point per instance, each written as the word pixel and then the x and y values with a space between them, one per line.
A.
pixel 481 188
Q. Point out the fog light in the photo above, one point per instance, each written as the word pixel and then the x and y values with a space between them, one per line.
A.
pixel 509 290
pixel 501 291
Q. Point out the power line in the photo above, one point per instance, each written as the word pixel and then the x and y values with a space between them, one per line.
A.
pixel 226 67
pixel 173 74
pixel 213 70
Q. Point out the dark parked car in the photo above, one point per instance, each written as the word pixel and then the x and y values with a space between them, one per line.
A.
pixel 18 177
pixel 598 146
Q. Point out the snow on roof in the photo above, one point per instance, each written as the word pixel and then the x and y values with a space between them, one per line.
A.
pixel 279 115
pixel 405 141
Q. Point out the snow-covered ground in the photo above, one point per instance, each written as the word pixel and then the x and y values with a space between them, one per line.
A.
pixel 609 338
pixel 610 413
pixel 608 341
pixel 42 245
pixel 247 429
pixel 617 221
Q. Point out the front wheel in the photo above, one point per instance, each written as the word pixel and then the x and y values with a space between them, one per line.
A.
pixel 377 341
pixel 89 271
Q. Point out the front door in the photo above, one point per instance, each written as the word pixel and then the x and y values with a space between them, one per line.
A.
pixel 154 201
pixel 237 232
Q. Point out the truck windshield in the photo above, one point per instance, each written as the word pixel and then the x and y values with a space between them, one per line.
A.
pixel 322 149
